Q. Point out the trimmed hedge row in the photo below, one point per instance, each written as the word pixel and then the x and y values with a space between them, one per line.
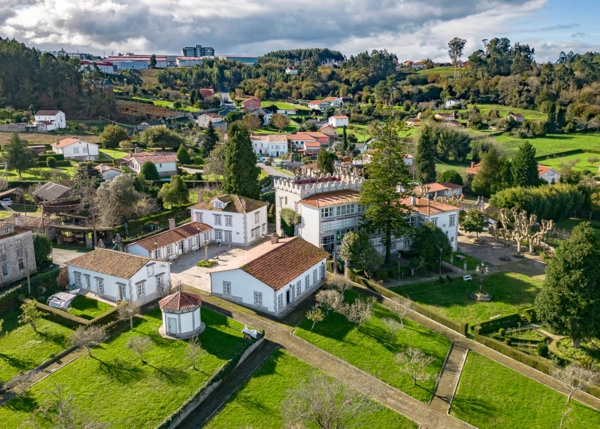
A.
pixel 530 314
pixel 106 318
pixel 61 317
pixel 57 156
pixel 9 299
pixel 495 324
pixel 461 328
pixel 58 163
pixel 507 350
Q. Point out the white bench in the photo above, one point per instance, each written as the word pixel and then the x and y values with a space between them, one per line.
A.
pixel 467 277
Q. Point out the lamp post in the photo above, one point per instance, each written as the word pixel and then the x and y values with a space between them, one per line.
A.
pixel 482 269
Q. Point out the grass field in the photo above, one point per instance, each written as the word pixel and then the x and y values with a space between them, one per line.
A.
pixel 360 131
pixel 511 293
pixel 341 338
pixel 282 105
pixel 444 71
pixel 22 349
pixel 113 153
pixel 580 162
pixel 552 143
pixel 46 138
pixel 460 261
pixel 114 387
pixel 490 395
pixel 87 308
pixel 167 104
pixel 34 173
pixel 291 128
pixel 505 110
pixel 252 406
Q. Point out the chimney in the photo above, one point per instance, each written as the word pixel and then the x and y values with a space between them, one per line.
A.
pixel 243 204
pixel 472 164
pixel 171 223
pixel 200 197
pixel 274 238
pixel 17 219
pixel 130 153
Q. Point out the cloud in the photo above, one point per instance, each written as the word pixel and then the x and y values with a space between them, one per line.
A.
pixel 409 28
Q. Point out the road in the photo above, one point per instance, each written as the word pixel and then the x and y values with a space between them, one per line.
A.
pixel 273 172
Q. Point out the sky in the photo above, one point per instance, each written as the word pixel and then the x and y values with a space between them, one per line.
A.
pixel 412 29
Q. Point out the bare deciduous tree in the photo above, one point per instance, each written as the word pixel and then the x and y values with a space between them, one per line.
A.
pixel 315 315
pixel 340 283
pixel 359 311
pixel 325 403
pixel 140 344
pixel 128 311
pixel 575 377
pixel 525 227
pixel 329 299
pixel 392 327
pixel 194 351
pixel 88 337
pixel 401 306
pixel 414 363
pixel 20 382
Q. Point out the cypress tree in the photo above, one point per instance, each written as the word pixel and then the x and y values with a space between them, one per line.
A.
pixel 211 138
pixel 183 156
pixel 325 161
pixel 425 157
pixel 484 180
pixel 524 166
pixel 240 175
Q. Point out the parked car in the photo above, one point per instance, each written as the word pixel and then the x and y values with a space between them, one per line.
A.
pixel 6 201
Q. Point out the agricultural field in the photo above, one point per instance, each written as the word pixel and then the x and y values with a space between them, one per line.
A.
pixel 511 293
pixel 47 138
pixel 579 162
pixel 552 143
pixel 251 407
pixel 116 388
pixel 139 111
pixel 282 105
pixel 490 395
pixel 167 104
pixel 444 71
pixel 505 110
pixel 360 131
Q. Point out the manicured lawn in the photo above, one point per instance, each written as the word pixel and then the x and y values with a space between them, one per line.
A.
pixel 490 395
pixel 511 293
pixel 22 349
pixel 114 387
pixel 34 173
pixel 114 154
pixel 291 128
pixel 282 105
pixel 444 71
pixel 553 143
pixel 360 131
pixel 460 258
pixel 451 165
pixel 167 104
pixel 579 160
pixel 258 402
pixel 341 338
pixel 87 308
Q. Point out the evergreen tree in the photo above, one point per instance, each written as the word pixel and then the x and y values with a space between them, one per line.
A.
pixel 240 174
pixel 112 135
pixel 17 155
pixel 211 138
pixel 431 244
pixel 86 174
pixel 524 166
pixel 183 156
pixel 425 158
pixel 451 176
pixel 484 179
pixel 325 161
pixel 345 145
pixel 569 302
pixel 385 211
pixel 149 171
pixel 175 192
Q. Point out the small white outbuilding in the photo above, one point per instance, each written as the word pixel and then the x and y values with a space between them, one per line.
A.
pixel 181 315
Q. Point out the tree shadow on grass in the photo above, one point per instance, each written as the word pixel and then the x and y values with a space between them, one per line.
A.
pixel 169 374
pixel 54 337
pixel 120 370
pixel 473 407
pixel 20 364
pixel 22 403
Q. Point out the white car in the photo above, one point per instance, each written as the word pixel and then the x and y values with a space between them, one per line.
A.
pixel 6 201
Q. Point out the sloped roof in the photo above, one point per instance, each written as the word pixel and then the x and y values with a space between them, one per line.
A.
pixel 69 141
pixel 110 262
pixel 234 204
pixel 428 207
pixel 172 236
pixel 52 191
pixel 180 301
pixel 47 112
pixel 142 157
pixel 332 198
pixel 276 265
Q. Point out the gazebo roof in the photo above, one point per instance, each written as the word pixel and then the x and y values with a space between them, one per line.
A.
pixel 180 301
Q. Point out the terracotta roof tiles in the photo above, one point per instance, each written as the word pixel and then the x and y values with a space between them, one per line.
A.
pixel 234 204
pixel 180 301
pixel 110 262
pixel 332 198
pixel 172 235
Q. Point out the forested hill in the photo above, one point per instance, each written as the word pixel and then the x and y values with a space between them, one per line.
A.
pixel 316 55
pixel 30 79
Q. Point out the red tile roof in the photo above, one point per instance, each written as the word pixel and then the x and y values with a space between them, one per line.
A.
pixel 47 112
pixel 425 206
pixel 172 236
pixel 332 198
pixel 110 262
pixel 233 204
pixel 207 92
pixel 69 141
pixel 142 157
pixel 543 169
pixel 180 301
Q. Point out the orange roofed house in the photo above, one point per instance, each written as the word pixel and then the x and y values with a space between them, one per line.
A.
pixel 273 277
pixel 547 174
pixel 74 148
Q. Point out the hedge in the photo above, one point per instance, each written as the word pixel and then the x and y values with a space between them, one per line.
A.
pixel 61 316
pixel 48 280
pixel 57 156
pixel 106 318
pixel 507 350
pixel 58 163
pixel 530 314
pixel 459 327
pixel 9 298
pixel 495 324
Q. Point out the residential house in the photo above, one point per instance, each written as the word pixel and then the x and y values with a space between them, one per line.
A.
pixel 443 216
pixel 413 122
pixel 108 172
pixel 217 121
pixel 291 70
pixel 407 63
pixel 418 65
pixel 311 147
pixel 517 117
pixel 17 255
pixel 548 174
pixel 117 276
pixel 50 120
pixel 166 162
pixel 347 100
pixel 287 112
pixel 74 148
pixel 320 105
pixel 435 189
pixel 251 104
pixel 176 241
pixel 274 145
pixel 450 104
pixel 104 66
pixel 234 219
pixel 266 115
pixel 338 121
pixel 334 101
pixel 207 93
pixel 445 117
pixel 272 278
pixel 150 124
pixel 329 131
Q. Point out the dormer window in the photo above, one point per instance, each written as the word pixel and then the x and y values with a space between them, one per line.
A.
pixel 217 204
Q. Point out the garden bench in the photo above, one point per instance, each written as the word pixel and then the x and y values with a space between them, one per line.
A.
pixel 467 277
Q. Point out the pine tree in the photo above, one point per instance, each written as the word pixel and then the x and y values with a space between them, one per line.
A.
pixel 569 302
pixel 484 179
pixel 425 157
pixel 524 166
pixel 240 175
pixel 211 138
pixel 17 155
pixel 149 171
pixel 183 156
pixel 325 161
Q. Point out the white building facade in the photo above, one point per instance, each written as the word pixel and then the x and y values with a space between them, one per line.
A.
pixel 338 121
pixel 73 148
pixel 181 315
pixel 50 120
pixel 274 145
pixel 166 163
pixel 174 242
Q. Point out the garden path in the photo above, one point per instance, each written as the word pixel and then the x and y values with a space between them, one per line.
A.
pixel 449 378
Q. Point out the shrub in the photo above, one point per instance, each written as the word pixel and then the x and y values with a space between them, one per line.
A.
pixel 502 332
pixel 51 162
pixel 507 341
pixel 530 315
pixel 206 264
pixel 542 349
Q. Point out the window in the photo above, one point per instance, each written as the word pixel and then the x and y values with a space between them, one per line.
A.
pixel 169 250
pixel 227 288
pixel 75 150
pixel 84 149
pixel 218 235
pixel 157 253
pixel 19 249
pixel 122 291
pixel 198 217
pixel 160 281
pixel 21 264
pixel 228 221
pixel 322 271
pixel 434 221
pixel 191 242
pixel 328 239
pixel 258 298
pixel 100 285
pixel 3 256
pixel 6 231
pixel 346 209
pixel 306 282
pixel 256 217
pixel 264 228
pixel 206 236
pixel 326 212
pixel 228 236
pixel 141 288
pixel 218 220
pixel 280 301
pixel 255 232
pixel 76 276
pixel 452 220
pixel 150 268
pixel 315 276
pixel 298 288
pixel 88 282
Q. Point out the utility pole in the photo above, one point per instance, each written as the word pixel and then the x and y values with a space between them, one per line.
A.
pixel 27 269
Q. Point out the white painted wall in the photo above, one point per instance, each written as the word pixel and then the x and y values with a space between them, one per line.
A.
pixel 59 120
pixel 177 249
pixel 243 225
pixel 551 176
pixel 79 150
pixel 186 322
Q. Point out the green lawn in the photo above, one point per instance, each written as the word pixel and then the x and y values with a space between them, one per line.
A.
pixel 22 349
pixel 553 143
pixel 282 105
pixel 341 338
pixel 34 173
pixel 258 402
pixel 291 128
pixel 360 131
pixel 114 154
pixel 114 387
pixel 579 160
pixel 505 110
pixel 460 263
pixel 444 71
pixel 87 308
pixel 441 167
pixel 511 293
pixel 167 104
pixel 490 395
